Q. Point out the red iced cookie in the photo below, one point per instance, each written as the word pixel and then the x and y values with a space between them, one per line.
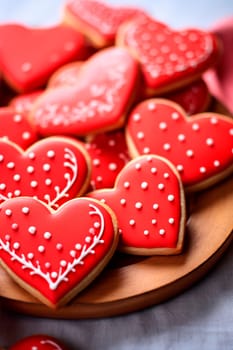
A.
pixel 16 127
pixel 99 102
pixel 55 254
pixel 53 170
pixel 98 21
pixel 109 154
pixel 148 201
pixel 38 53
pixel 201 146
pixel 23 103
pixel 169 59
pixel 39 342
pixel 68 75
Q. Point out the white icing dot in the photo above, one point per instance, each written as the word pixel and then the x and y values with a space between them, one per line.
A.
pixel 163 126
pixel 7 237
pixel 17 193
pixel 47 265
pixel 17 118
pixel 170 197
pixel 195 127
pixel 8 212
pixel 146 150
pixel 189 153
pixel 112 143
pixel 14 226
pixel 231 132
pixel 213 120
pixel 25 210
pixel 26 67
pixel 31 155
pixel 167 146
pixel 78 246
pixel 216 163
pixel 30 256
pixel 146 232
pixel 123 201
pixel 132 222
pixel 166 175
pixel 1 157
pixel 16 245
pixel 50 154
pixel 126 184
pixel 30 169
pixel 144 185
pixel 17 177
pixel 32 230
pixel 209 142
pixel 96 162
pixel 171 221
pixel 10 165
pixel 175 116
pixel 73 253
pixel 47 235
pixel 153 221
pixel 26 135
pixel 96 224
pixel 161 186
pixel 180 167
pixel 63 263
pixel 112 166
pixel 88 239
pixel 59 246
pixel 155 206
pixel 54 274
pixel 138 205
pixel 136 117
pixel 2 186
pixel 46 167
pixel 153 170
pixel 99 179
pixel 162 231
pixel 151 106
pixel 48 182
pixel 202 169
pixel 33 184
pixel 140 135
pixel 181 137
pixel 137 166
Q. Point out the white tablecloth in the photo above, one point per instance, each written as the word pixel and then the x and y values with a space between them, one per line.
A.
pixel 200 318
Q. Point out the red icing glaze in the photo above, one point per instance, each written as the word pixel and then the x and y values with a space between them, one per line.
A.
pixel 149 205
pixel 109 154
pixel 16 127
pixel 100 17
pixel 53 252
pixel 21 64
pixel 98 103
pixel 201 146
pixel 54 170
pixel 66 75
pixel 23 103
pixel 39 342
pixel 194 98
pixel 168 58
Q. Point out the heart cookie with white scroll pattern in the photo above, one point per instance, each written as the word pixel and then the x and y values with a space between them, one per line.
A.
pixel 53 170
pixel 200 146
pixel 168 58
pixel 98 102
pixel 55 254
pixel 149 204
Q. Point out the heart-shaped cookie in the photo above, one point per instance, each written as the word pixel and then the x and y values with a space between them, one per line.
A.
pixel 23 103
pixel 109 154
pixel 98 21
pixel 16 127
pixel 99 102
pixel 53 170
pixel 149 204
pixel 55 254
pixel 201 146
pixel 38 342
pixel 38 53
pixel 169 59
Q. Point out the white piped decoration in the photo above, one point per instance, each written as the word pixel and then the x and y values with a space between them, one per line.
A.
pixel 144 185
pixel 162 232
pixel 32 230
pixel 25 210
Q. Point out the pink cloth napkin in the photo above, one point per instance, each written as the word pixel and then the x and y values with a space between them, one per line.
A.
pixel 220 79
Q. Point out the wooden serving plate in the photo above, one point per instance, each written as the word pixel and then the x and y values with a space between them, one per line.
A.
pixel 133 283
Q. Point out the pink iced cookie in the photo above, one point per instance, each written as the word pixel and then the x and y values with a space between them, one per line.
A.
pixel 38 53
pixel 169 59
pixel 16 127
pixel 39 342
pixel 97 20
pixel 55 254
pixel 148 201
pixel 53 170
pixel 200 147
pixel 99 102
pixel 109 154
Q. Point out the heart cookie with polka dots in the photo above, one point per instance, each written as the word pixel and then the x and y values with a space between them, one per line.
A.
pixel 98 21
pixel 16 127
pixel 55 254
pixel 169 59
pixel 99 102
pixel 109 154
pixel 38 342
pixel 149 204
pixel 38 53
pixel 53 170
pixel 200 147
